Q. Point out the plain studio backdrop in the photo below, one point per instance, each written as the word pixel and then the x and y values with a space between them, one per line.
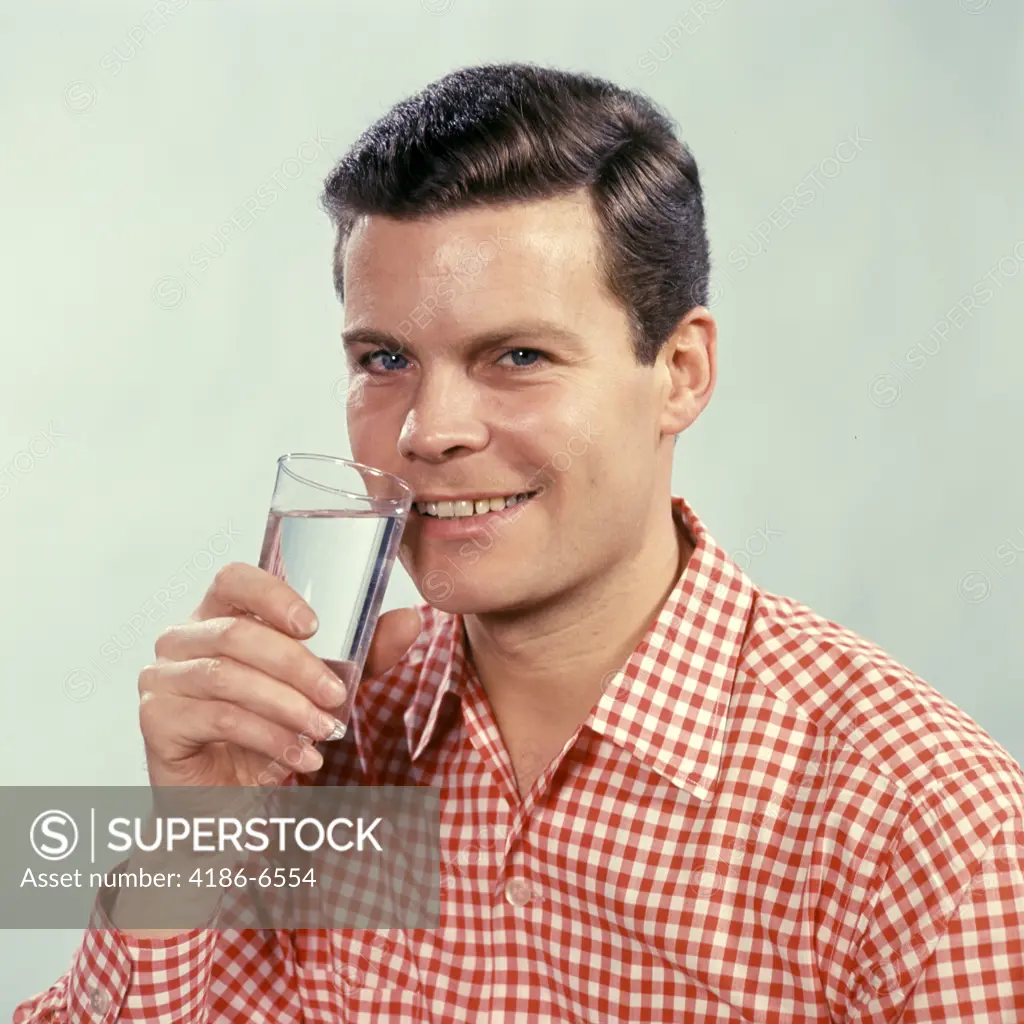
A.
pixel 861 454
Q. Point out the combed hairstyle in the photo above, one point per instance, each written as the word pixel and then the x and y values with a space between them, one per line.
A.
pixel 500 133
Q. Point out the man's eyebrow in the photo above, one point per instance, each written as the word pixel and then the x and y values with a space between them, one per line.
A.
pixel 529 330
pixel 369 336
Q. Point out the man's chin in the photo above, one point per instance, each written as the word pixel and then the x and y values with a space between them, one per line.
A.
pixel 458 594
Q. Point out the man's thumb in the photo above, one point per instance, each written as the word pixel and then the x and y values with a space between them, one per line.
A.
pixel 395 633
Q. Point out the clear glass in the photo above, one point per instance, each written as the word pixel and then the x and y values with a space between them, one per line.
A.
pixel 332 535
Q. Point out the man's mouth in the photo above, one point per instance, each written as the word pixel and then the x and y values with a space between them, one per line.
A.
pixel 465 508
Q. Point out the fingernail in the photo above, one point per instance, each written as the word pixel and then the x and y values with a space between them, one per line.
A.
pixel 338 733
pixel 331 728
pixel 306 619
pixel 332 690
pixel 311 759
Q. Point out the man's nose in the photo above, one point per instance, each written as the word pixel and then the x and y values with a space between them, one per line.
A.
pixel 444 418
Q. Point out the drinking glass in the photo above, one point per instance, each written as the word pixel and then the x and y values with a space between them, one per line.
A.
pixel 332 535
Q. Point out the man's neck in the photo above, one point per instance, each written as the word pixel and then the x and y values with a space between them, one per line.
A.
pixel 547 665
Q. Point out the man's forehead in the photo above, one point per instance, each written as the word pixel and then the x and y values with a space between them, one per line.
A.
pixel 460 275
pixel 547 230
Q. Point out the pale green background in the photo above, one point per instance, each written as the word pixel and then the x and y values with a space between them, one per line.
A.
pixel 174 416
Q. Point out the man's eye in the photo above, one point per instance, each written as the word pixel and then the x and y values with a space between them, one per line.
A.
pixel 523 358
pixel 523 351
pixel 364 361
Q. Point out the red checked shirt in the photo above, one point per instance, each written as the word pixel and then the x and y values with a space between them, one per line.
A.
pixel 763 818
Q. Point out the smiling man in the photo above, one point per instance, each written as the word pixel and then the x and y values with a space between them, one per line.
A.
pixel 666 794
pixel 686 798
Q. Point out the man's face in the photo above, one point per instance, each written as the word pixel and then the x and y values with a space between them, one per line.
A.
pixel 510 369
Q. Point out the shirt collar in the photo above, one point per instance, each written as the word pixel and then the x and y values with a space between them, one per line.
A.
pixel 668 705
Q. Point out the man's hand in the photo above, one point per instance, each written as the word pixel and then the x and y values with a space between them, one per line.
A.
pixel 234 691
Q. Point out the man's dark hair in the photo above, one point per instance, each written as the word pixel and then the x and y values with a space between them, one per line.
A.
pixel 501 133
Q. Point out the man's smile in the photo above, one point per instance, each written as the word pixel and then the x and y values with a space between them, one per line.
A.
pixel 463 507
pixel 448 520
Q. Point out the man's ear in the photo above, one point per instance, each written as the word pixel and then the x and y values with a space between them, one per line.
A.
pixel 689 369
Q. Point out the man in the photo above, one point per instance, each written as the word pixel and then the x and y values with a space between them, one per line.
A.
pixel 667 795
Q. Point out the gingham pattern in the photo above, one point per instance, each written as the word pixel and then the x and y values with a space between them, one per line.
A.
pixel 764 818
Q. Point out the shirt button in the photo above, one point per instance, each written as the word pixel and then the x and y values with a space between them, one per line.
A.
pixel 517 892
pixel 99 1000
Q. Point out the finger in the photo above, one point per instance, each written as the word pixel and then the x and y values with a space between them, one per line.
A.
pixel 197 723
pixel 225 680
pixel 247 589
pixel 395 633
pixel 258 645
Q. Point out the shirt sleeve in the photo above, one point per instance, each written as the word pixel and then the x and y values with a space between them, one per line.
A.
pixel 197 976
pixel 965 958
pixel 976 972
pixel 200 976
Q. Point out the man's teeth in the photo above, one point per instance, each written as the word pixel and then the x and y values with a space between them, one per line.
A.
pixel 457 509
